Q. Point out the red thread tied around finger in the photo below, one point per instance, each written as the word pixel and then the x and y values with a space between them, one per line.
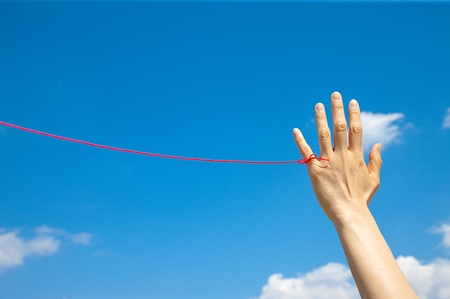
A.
pixel 301 161
pixel 312 157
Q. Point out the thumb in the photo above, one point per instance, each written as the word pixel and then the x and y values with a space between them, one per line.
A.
pixel 374 166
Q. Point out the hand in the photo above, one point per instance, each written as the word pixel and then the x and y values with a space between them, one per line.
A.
pixel 344 184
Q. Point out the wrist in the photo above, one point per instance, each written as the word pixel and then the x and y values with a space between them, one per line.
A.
pixel 352 217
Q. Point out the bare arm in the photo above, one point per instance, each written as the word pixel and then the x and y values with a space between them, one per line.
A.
pixel 344 187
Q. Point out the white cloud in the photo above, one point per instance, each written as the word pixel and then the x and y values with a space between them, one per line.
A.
pixel 380 128
pixel 334 281
pixel 446 122
pixel 445 230
pixel 430 281
pixel 82 238
pixel 14 249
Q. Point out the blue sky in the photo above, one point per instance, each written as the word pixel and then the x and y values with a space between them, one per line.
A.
pixel 216 80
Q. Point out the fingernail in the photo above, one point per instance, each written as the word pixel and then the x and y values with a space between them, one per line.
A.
pixel 297 133
pixel 353 104
pixel 379 147
pixel 336 96
pixel 319 107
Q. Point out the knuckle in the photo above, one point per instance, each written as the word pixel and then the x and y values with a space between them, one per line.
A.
pixel 303 150
pixel 320 115
pixel 355 113
pixel 377 183
pixel 357 129
pixel 299 138
pixel 341 125
pixel 324 133
pixel 378 161
pixel 338 105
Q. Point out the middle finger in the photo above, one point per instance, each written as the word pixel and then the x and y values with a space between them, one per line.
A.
pixel 339 122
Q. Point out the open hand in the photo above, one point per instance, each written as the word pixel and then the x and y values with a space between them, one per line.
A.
pixel 343 184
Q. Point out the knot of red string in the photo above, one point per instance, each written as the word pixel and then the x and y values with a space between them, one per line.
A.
pixel 312 157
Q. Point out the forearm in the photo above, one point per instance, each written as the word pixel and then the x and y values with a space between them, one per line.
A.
pixel 344 185
pixel 376 273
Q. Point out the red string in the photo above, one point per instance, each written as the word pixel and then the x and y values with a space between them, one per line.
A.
pixel 312 157
pixel 301 161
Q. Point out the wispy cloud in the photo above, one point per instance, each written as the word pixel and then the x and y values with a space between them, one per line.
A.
pixel 380 128
pixel 14 249
pixel 80 238
pixel 446 122
pixel 443 229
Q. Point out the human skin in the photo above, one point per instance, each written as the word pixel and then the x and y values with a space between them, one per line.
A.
pixel 344 186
